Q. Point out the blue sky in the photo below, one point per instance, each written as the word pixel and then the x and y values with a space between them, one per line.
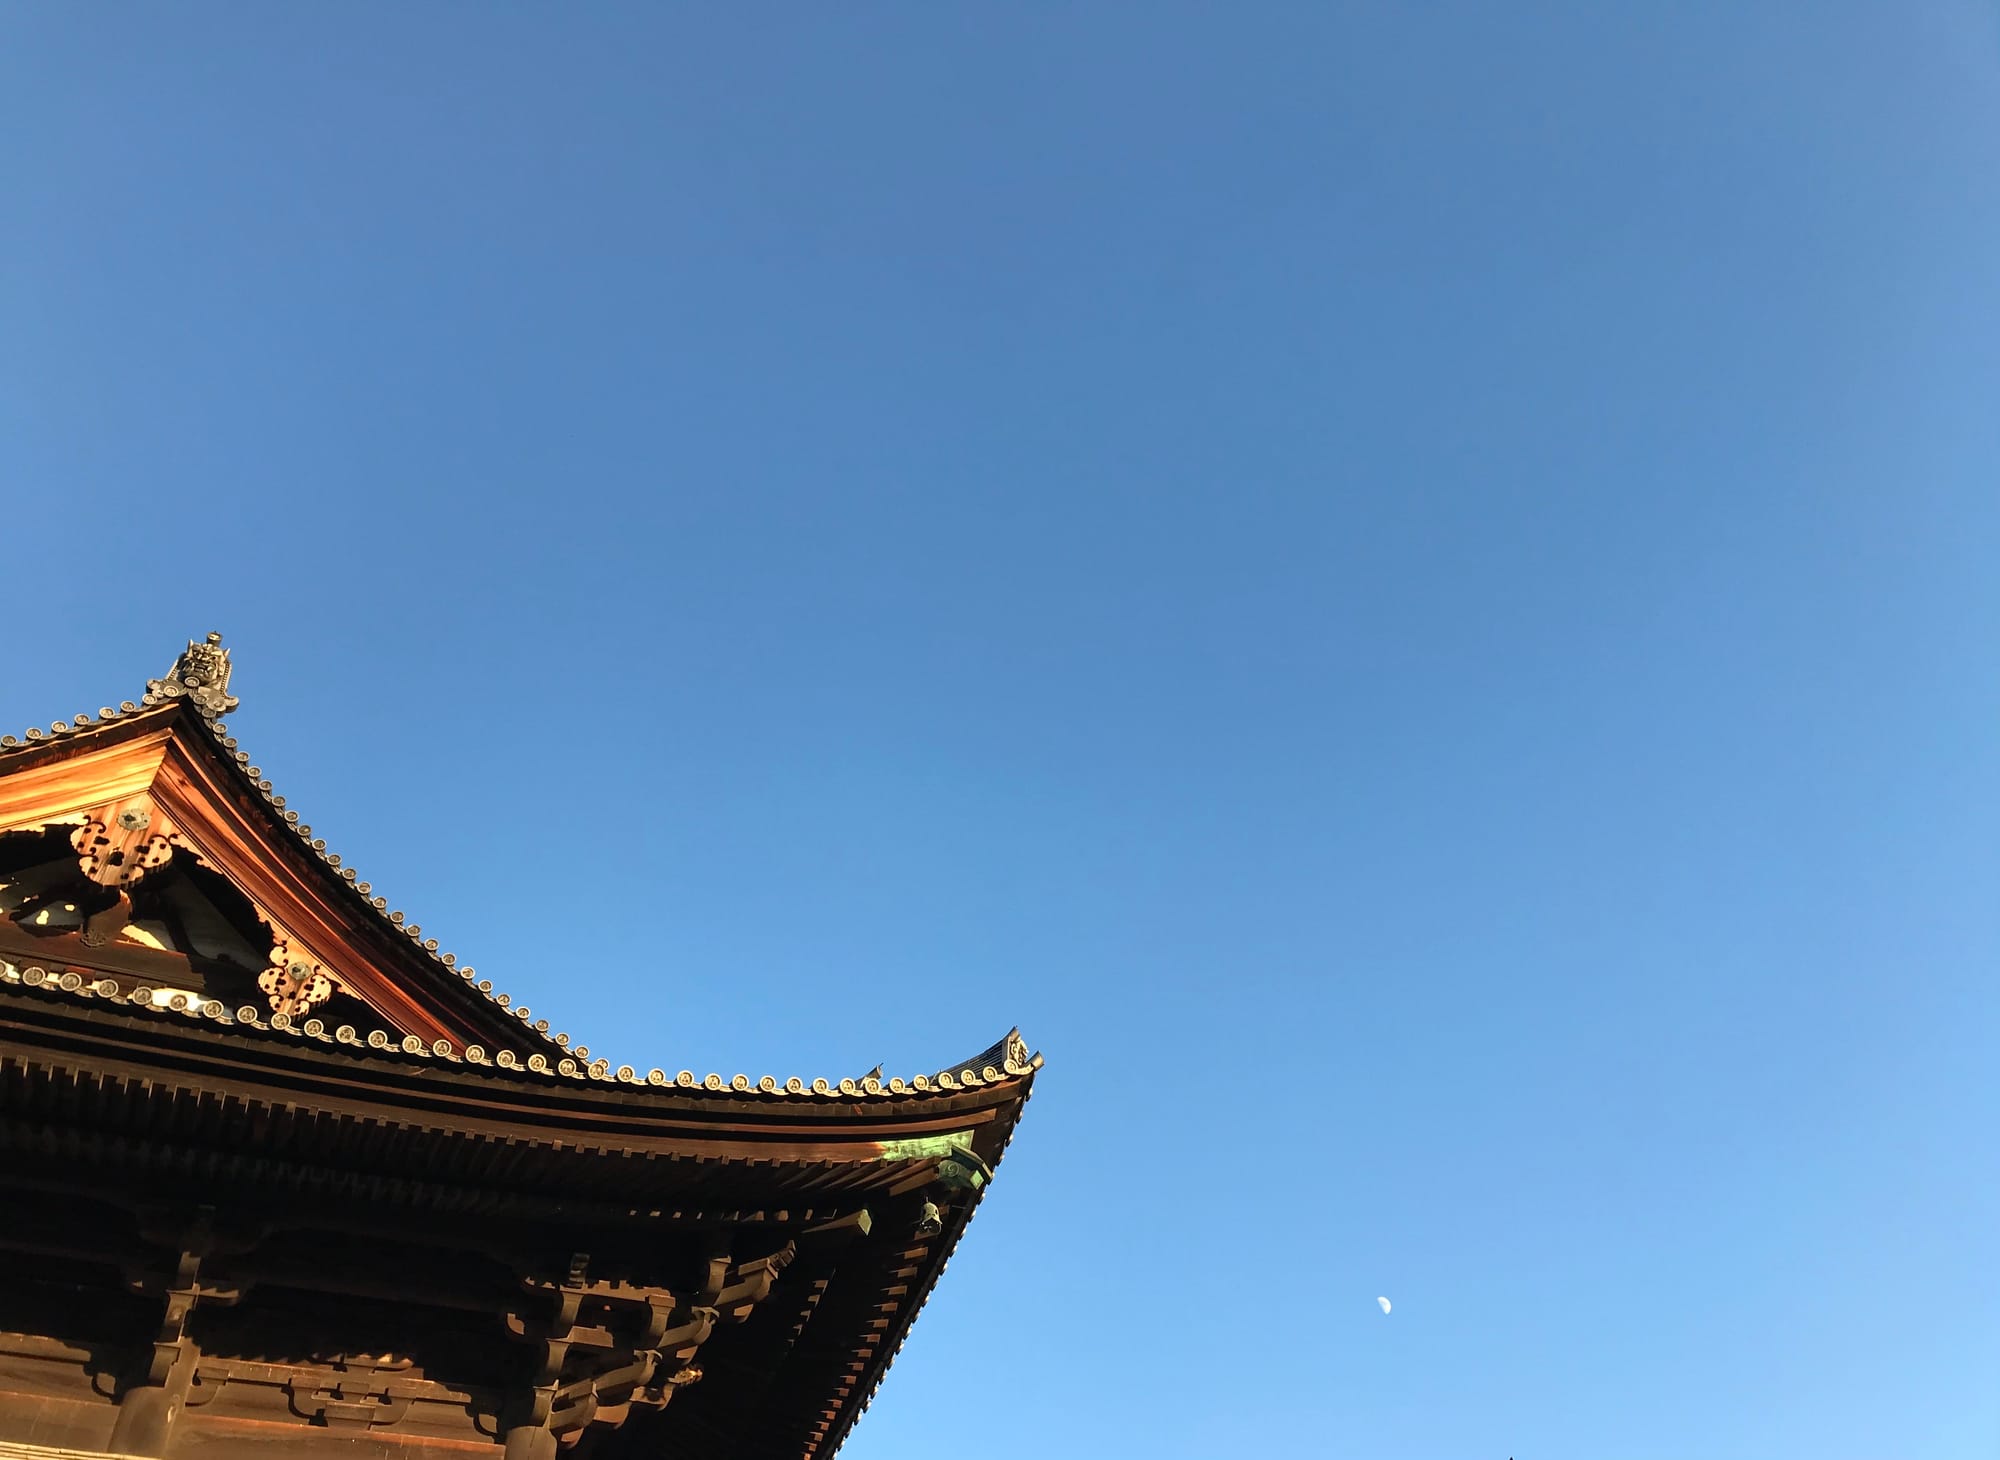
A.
pixel 1408 588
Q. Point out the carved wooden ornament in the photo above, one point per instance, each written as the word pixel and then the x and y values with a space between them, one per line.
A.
pixel 122 842
pixel 293 982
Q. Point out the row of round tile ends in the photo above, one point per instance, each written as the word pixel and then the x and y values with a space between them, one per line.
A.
pixel 507 1059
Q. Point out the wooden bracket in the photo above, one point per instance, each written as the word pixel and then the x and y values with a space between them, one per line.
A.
pixel 640 1345
pixel 349 1403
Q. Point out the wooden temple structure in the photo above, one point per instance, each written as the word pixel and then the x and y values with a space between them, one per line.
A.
pixel 278 1177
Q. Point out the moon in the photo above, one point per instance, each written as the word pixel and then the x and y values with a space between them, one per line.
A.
pixel 1385 1304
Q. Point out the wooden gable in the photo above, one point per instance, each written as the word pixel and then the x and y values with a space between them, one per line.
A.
pixel 137 844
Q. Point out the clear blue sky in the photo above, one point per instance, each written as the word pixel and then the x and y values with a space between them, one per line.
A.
pixel 1410 589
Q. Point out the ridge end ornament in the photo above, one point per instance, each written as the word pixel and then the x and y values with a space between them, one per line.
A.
pixel 201 674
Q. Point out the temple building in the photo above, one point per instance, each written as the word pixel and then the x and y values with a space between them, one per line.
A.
pixel 279 1177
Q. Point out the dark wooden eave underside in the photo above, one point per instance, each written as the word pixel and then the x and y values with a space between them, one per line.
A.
pixel 138 1098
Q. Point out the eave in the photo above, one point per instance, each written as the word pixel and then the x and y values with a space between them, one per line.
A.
pixel 159 1097
pixel 44 1023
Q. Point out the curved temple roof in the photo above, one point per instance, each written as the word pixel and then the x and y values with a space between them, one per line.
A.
pixel 475 1024
pixel 179 952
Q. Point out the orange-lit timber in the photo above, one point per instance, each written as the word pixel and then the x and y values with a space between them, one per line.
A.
pixel 279 1177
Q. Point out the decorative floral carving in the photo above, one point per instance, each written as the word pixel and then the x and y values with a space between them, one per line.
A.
pixel 294 984
pixel 117 849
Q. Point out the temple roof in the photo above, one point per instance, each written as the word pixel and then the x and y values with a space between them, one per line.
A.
pixel 196 994
pixel 163 778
